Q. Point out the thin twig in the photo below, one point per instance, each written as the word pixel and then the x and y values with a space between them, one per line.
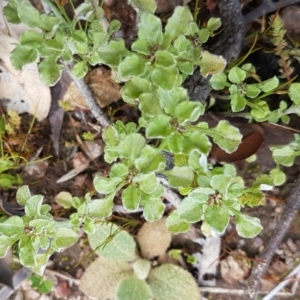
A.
pixel 266 7
pixel 239 292
pixel 290 210
pixel 88 97
pixel 282 284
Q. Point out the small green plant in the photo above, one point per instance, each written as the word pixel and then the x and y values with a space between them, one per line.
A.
pixel 7 162
pixel 153 72
pixel 242 94
pixel 42 285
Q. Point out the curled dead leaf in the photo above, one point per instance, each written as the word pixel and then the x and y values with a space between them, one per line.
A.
pixel 249 145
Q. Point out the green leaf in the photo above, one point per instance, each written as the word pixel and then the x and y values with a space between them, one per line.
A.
pixel 111 136
pixel 153 209
pixel 278 176
pixel 89 225
pixel 141 268
pixel 11 14
pixel 35 280
pixel 22 56
pixel 170 99
pixel 141 46
pixel 294 92
pixel 64 199
pixel 179 144
pixel 172 282
pixel 114 26
pixel 33 206
pixel 269 84
pixel 149 105
pixel 211 64
pixel 203 35
pixel 101 208
pixel 89 11
pixel 237 75
pixel 104 185
pixel 131 147
pixel 23 194
pixel 131 66
pixel 45 286
pixel 133 288
pixel 111 242
pixel 118 170
pixel 164 78
pixel 217 217
pixel 131 198
pixel 112 53
pixel 146 182
pixel 28 251
pixel 284 156
pixel 5 243
pixel 252 91
pixel 80 69
pixel 180 176
pixel 13 226
pixel 164 59
pixel 226 136
pixel 188 111
pixel 218 81
pixel 148 6
pixel 28 15
pixel 31 39
pixel 237 102
pixel 259 109
pixel 221 183
pixel 134 88
pixel 213 24
pixel 200 141
pixel 57 44
pixel 185 67
pixel 7 180
pixel 50 71
pixel 181 43
pixel 150 29
pixel 48 23
pixel 175 224
pixel 179 22
pixel 65 237
pixel 246 226
pixel 190 210
pixel 150 160
pixel 159 127
pixel 201 194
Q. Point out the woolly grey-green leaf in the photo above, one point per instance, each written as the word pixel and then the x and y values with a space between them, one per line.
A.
pixel 172 282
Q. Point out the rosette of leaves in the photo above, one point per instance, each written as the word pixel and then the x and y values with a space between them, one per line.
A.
pixel 37 234
pixel 58 40
pixel 135 171
pixel 244 94
pixel 214 201
pixel 165 58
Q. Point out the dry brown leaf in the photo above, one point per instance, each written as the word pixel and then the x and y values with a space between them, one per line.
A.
pixel 21 91
pixel 104 89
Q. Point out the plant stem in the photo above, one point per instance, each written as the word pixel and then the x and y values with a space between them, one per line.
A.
pixel 290 211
